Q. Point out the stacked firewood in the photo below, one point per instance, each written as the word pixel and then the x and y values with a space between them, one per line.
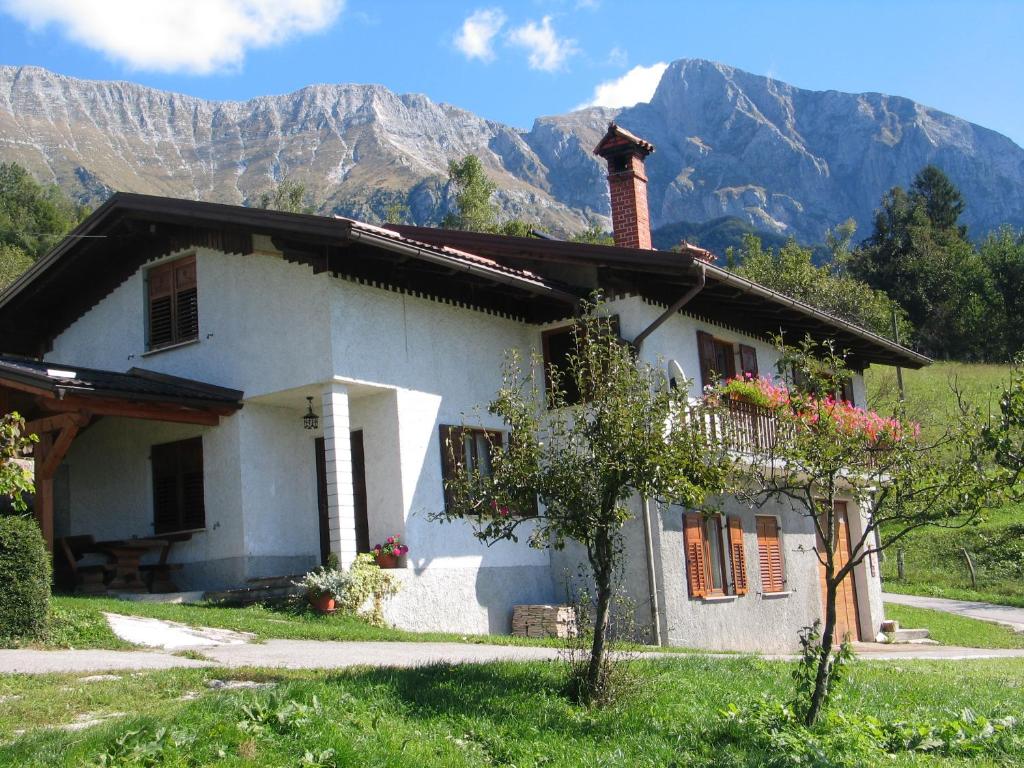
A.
pixel 543 621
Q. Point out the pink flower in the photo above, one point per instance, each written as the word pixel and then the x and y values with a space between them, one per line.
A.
pixel 391 539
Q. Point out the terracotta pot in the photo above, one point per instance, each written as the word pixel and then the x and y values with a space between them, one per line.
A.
pixel 387 561
pixel 324 604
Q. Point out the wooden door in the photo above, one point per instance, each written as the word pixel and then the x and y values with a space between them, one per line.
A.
pixel 847 615
pixel 358 494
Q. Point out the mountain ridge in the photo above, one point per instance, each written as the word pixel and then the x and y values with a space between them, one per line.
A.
pixel 729 143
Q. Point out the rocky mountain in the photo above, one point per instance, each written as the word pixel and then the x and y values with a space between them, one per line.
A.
pixel 729 143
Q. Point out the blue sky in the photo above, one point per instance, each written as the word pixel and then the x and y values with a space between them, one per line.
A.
pixel 513 61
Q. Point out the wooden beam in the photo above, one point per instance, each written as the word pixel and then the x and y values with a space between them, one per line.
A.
pixel 55 423
pixel 44 489
pixel 58 450
pixel 130 410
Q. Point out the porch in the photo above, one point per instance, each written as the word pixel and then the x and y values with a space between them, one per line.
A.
pixel 60 403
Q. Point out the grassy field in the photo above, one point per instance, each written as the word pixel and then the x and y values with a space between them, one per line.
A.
pixel 934 559
pixel 488 715
pixel 950 629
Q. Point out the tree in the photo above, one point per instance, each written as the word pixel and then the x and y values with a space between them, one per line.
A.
pixel 917 254
pixel 585 461
pixel 474 210
pixel 594 235
pixel 33 217
pixel 13 262
pixel 289 196
pixel 791 270
pixel 1002 254
pixel 15 480
pixel 942 202
pixel 822 450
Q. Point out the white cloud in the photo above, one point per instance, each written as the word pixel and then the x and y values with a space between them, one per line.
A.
pixel 547 51
pixel 194 36
pixel 477 34
pixel 618 57
pixel 637 85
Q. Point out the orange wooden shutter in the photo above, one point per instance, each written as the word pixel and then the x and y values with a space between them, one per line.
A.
pixel 737 556
pixel 706 352
pixel 161 305
pixel 693 535
pixel 769 552
pixel 748 359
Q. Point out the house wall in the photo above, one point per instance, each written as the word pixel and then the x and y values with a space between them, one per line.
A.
pixel 278 332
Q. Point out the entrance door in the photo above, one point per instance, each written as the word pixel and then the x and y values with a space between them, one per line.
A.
pixel 847 618
pixel 358 493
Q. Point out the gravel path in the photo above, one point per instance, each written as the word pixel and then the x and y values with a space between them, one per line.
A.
pixel 1001 614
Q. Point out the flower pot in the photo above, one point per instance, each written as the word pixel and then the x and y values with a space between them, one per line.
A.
pixel 324 604
pixel 387 561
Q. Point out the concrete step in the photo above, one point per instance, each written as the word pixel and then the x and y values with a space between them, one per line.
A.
pixel 909 635
pixel 248 595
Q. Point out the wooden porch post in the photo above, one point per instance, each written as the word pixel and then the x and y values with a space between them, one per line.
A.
pixel 47 455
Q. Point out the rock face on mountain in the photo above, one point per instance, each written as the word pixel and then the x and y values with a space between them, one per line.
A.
pixel 729 143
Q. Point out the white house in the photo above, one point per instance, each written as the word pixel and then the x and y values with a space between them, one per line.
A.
pixel 168 350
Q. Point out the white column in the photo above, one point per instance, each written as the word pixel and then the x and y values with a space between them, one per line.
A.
pixel 341 512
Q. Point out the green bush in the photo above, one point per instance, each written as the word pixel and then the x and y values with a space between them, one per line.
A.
pixel 25 580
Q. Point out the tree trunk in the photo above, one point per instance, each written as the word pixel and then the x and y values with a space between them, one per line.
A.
pixel 602 565
pixel 823 678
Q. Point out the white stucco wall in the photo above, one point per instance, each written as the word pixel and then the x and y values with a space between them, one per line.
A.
pixel 278 332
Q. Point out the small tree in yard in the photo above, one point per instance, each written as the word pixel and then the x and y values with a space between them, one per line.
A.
pixel 627 435
pixel 823 450
pixel 15 480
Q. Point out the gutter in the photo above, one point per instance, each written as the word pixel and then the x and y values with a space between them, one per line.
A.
pixel 683 300
pixel 652 582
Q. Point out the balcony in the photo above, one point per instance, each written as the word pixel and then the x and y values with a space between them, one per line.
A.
pixel 742 427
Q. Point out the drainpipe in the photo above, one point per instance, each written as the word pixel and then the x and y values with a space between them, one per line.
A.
pixel 652 583
pixel 683 300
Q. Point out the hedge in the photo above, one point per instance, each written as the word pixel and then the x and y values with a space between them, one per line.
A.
pixel 24 579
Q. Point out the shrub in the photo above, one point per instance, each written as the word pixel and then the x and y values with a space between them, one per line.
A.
pixel 25 576
pixel 369 581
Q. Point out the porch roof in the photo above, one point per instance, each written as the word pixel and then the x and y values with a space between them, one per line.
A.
pixel 38 387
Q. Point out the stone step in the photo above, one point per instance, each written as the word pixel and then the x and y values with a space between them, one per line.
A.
pixel 250 595
pixel 909 635
pixel 274 581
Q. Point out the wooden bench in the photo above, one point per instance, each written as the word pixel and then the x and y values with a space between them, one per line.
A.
pixel 86 579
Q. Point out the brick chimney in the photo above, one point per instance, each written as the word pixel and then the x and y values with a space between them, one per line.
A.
pixel 627 183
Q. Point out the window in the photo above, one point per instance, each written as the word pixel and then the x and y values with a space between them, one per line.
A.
pixel 718 359
pixel 841 389
pixel 769 552
pixel 178 486
pixel 173 303
pixel 559 346
pixel 708 562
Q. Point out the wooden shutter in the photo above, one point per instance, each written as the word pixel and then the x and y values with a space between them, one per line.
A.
pixel 737 555
pixel 178 494
pixel 161 305
pixel 706 352
pixel 451 441
pixel 186 300
pixel 769 553
pixel 693 537
pixel 748 360
pixel 164 459
pixel 190 467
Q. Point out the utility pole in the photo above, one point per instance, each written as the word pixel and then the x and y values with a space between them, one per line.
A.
pixel 899 371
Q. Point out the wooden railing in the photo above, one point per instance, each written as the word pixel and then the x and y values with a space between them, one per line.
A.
pixel 742 427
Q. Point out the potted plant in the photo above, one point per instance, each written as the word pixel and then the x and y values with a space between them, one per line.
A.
pixel 387 554
pixel 325 588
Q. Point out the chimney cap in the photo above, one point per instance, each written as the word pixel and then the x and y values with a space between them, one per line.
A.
pixel 618 139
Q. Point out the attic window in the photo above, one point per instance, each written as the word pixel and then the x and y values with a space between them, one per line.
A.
pixel 173 303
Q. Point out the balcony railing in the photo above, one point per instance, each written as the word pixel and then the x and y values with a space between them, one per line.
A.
pixel 742 427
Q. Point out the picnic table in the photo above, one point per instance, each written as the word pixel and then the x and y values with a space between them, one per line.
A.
pixel 123 570
pixel 124 555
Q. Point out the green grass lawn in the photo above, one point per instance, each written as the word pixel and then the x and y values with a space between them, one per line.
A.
pixel 78 622
pixel 485 715
pixel 935 564
pixel 950 629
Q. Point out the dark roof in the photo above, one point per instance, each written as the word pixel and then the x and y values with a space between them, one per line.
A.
pixel 533 279
pixel 129 229
pixel 663 276
pixel 136 385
